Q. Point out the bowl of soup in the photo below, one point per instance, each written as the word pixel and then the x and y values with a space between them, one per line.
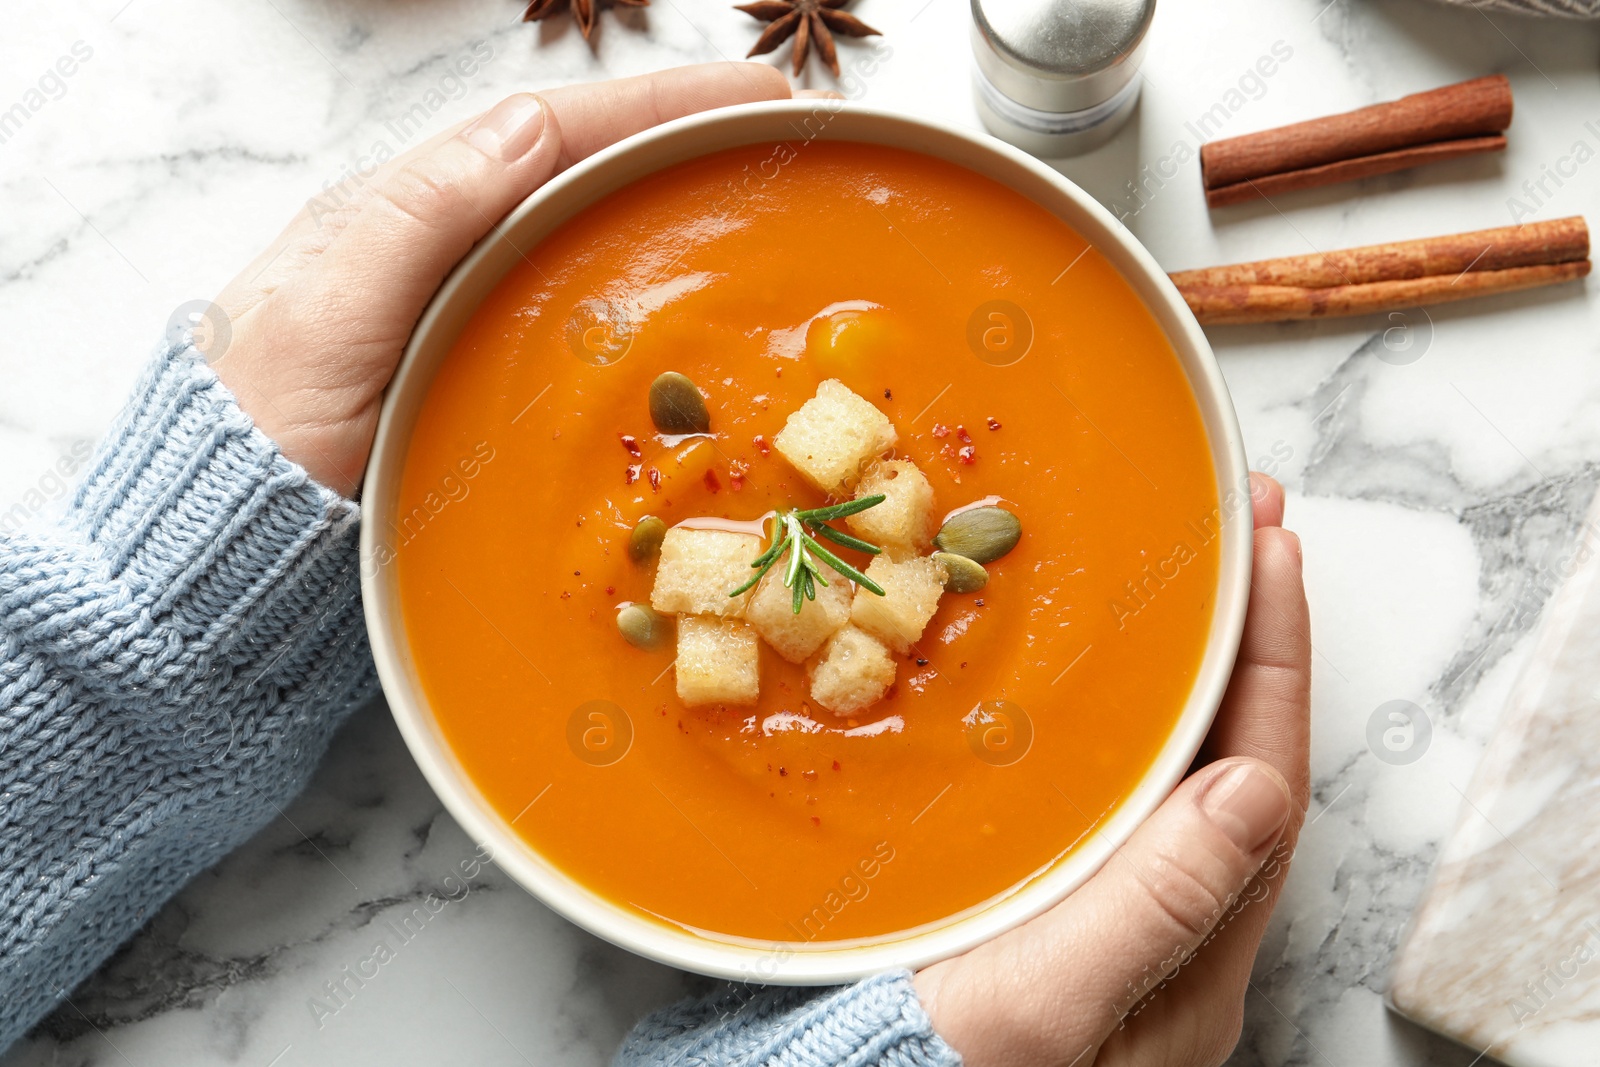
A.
pixel 804 540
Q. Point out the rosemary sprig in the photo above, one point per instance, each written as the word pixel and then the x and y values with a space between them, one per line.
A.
pixel 797 535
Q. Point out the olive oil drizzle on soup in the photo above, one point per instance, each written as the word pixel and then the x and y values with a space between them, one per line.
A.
pixel 778 820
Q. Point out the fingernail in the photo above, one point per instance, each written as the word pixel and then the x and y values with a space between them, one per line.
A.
pixel 510 129
pixel 1248 804
pixel 1299 553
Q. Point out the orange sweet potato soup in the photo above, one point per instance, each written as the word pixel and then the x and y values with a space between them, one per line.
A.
pixel 1017 368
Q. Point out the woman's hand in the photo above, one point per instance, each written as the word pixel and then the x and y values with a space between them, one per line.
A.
pixel 320 318
pixel 1078 985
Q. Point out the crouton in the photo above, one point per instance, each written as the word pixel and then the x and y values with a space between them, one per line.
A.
pixel 903 522
pixel 699 568
pixel 796 637
pixel 854 671
pixel 913 588
pixel 832 436
pixel 718 661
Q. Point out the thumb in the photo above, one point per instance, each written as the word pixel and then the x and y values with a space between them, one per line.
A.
pixel 1159 898
pixel 1056 987
pixel 436 202
pixel 310 361
pixel 425 214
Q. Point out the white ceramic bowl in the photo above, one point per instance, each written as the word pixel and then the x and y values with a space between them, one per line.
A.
pixel 536 217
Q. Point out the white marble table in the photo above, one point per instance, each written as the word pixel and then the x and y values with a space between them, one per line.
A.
pixel 1435 465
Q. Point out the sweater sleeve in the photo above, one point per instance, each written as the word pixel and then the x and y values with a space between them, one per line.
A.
pixel 174 657
pixel 878 1022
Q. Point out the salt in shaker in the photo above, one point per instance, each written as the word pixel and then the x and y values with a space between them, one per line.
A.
pixel 1058 77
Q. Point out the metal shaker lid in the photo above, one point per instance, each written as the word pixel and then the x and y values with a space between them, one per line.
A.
pixel 1060 55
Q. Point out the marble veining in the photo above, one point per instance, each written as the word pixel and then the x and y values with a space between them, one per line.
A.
pixel 1504 951
pixel 1439 466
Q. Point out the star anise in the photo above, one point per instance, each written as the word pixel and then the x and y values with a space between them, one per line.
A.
pixel 584 11
pixel 809 22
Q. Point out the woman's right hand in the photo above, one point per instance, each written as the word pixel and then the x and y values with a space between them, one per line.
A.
pixel 1116 973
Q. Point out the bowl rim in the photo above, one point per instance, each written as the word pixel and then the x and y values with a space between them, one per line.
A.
pixel 596 177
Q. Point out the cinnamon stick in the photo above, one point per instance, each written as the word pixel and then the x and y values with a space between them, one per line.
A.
pixel 1357 281
pixel 1236 304
pixel 1421 128
pixel 1349 170
pixel 1556 241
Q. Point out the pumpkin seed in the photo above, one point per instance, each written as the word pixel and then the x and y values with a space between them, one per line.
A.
pixel 982 535
pixel 961 575
pixel 644 543
pixel 676 405
pixel 641 627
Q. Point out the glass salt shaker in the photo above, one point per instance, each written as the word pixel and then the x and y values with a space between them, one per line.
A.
pixel 1058 77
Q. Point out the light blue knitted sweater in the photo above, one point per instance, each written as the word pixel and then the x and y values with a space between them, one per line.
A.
pixel 174 657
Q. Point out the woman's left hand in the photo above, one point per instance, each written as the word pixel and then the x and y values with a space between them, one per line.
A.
pixel 319 320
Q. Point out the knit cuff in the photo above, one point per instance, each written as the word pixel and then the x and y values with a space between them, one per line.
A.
pixel 217 548
pixel 878 1021
pixel 174 658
